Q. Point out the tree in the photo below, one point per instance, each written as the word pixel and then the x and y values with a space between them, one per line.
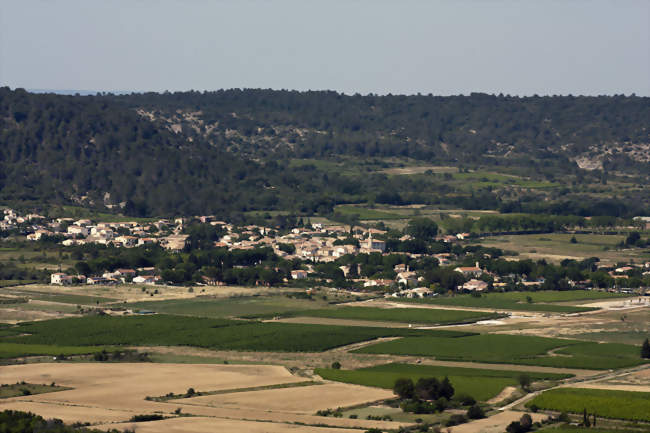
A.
pixel 645 349
pixel 404 388
pixel 585 418
pixel 423 229
pixel 83 268
pixel 524 381
pixel 336 365
pixel 427 388
pixel 446 389
pixel 632 238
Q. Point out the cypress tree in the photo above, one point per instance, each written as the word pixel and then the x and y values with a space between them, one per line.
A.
pixel 645 349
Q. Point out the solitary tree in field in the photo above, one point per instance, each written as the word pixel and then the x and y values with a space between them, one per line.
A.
pixel 524 381
pixel 645 349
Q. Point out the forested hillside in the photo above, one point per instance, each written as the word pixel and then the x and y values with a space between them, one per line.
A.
pixel 477 129
pixel 235 151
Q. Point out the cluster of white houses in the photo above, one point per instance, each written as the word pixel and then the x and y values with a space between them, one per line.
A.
pixel 313 243
pixel 118 276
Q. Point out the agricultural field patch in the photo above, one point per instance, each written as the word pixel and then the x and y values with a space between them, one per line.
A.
pixel 229 307
pixel 481 384
pixel 557 246
pixel 20 389
pixel 514 349
pixel 404 315
pixel 542 301
pixel 627 405
pixel 220 334
pixel 15 350
pixel 60 297
pixel 366 213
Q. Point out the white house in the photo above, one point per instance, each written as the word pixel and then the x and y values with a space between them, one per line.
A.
pixel 60 278
pixel 473 271
pixel 474 285
pixel 78 230
pixel 298 274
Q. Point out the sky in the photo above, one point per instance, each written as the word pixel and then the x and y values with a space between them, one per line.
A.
pixel 517 47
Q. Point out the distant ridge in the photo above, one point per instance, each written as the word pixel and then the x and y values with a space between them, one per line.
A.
pixel 75 92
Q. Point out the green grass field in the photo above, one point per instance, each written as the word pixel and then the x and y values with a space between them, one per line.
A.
pixel 9 283
pixel 404 315
pixel 229 307
pixel 555 246
pixel 63 298
pixel 15 350
pixel 627 405
pixel 480 384
pixel 366 213
pixel 542 301
pixel 219 334
pixel 514 349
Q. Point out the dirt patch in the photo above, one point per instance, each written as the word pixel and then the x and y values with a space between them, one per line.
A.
pixel 636 388
pixel 506 393
pixel 494 424
pixel 209 425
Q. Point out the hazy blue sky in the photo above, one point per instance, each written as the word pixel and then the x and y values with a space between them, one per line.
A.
pixel 442 47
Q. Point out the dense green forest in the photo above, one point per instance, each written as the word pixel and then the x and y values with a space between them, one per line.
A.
pixel 233 151
pixel 461 129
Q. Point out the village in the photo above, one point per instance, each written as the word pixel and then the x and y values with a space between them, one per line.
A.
pixel 308 244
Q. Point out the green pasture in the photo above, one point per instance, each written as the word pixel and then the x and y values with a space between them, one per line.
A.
pixel 218 334
pixel 634 406
pixel 557 246
pixel 514 349
pixel 63 298
pixel 479 383
pixel 14 350
pixel 403 315
pixel 366 213
pixel 229 307
pixel 544 301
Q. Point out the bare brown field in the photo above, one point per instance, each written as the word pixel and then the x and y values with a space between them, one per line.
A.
pixel 15 315
pixel 208 425
pixel 638 380
pixel 133 292
pixel 303 400
pixel 113 393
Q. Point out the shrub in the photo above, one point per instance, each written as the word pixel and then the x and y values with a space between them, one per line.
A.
pixel 475 412
pixel 336 365
pixel 455 420
pixel 465 399
pixel 147 417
